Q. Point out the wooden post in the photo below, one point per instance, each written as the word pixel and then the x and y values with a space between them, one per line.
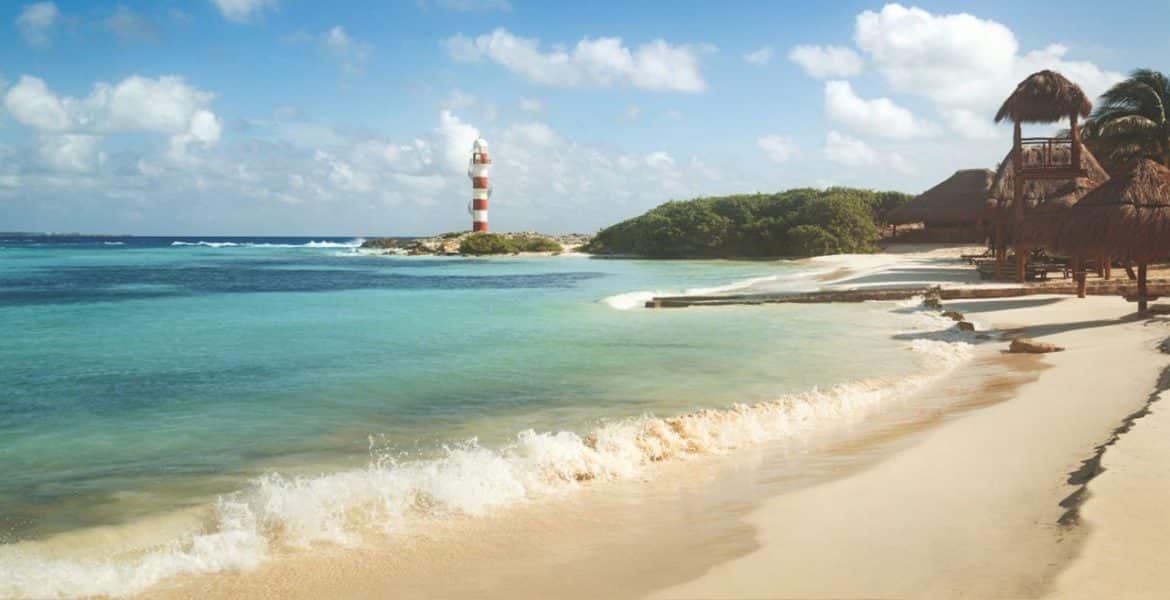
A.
pixel 1129 271
pixel 1021 263
pixel 1018 179
pixel 1107 261
pixel 1018 197
pixel 1075 133
pixel 1078 265
pixel 997 243
pixel 1142 304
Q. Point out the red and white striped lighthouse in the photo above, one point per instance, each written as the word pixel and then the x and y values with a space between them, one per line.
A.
pixel 481 188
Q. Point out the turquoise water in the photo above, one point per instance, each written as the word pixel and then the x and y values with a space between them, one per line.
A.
pixel 141 377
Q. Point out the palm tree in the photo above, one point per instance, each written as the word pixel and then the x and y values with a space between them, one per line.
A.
pixel 1132 121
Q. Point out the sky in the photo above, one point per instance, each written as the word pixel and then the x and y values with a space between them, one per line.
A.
pixel 296 117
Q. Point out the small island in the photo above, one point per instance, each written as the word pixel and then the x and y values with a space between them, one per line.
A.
pixel 466 243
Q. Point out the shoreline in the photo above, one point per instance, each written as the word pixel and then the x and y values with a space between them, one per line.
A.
pixel 1001 536
pixel 969 500
pixel 955 486
pixel 622 538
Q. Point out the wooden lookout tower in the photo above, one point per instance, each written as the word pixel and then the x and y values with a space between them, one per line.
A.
pixel 1043 97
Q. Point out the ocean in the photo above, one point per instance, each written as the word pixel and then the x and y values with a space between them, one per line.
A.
pixel 194 404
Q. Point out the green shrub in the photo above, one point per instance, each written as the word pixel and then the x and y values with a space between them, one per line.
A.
pixel 537 243
pixel 812 240
pixel 485 243
pixel 479 244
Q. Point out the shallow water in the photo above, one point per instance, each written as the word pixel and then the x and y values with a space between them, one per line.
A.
pixel 271 388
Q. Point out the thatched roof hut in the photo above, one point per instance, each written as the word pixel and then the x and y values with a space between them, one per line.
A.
pixel 1044 199
pixel 958 200
pixel 1049 193
pixel 1128 217
pixel 1044 97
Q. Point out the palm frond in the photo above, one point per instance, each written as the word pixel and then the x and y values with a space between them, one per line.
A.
pixel 1129 124
pixel 1133 96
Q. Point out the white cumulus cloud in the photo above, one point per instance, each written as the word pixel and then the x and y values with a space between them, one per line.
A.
pixel 759 57
pixel 36 23
pixel 878 117
pixel 960 60
pixel 533 135
pixel 778 148
pixel 456 138
pixel 849 151
pixel 166 105
pixel 827 61
pixel 659 160
pixel 852 152
pixel 243 11
pixel 31 103
pixel 77 153
pixel 349 52
pixel 973 125
pixel 602 62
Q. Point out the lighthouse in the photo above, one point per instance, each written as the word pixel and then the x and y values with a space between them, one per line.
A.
pixel 481 189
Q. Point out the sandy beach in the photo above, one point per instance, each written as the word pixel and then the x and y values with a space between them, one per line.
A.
pixel 974 508
pixel 975 486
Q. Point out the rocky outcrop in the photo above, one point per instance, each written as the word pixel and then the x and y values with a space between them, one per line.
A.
pixel 932 299
pixel 447 244
pixel 1028 346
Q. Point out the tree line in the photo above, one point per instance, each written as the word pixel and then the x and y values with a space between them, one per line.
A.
pixel 798 222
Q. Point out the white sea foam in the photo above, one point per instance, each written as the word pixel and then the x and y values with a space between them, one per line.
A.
pixel 638 299
pixel 113 243
pixel 310 244
pixel 278 512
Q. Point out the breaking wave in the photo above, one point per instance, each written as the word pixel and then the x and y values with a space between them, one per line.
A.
pixel 795 283
pixel 311 244
pixel 276 512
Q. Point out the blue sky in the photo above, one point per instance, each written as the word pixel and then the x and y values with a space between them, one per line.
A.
pixel 289 117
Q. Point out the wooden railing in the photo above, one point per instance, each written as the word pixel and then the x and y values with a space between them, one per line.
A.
pixel 1045 154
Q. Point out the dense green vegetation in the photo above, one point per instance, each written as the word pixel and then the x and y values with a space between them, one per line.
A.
pixel 1132 121
pixel 799 222
pixel 494 243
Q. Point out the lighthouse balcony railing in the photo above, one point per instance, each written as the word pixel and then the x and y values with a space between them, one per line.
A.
pixel 1056 157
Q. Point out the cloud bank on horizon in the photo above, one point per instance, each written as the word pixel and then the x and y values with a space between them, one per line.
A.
pixel 290 124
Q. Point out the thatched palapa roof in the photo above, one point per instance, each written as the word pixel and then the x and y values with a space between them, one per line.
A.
pixel 1128 217
pixel 958 200
pixel 1044 199
pixel 1045 192
pixel 1044 97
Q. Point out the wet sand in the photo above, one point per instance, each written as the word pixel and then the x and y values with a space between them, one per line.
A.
pixel 974 508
